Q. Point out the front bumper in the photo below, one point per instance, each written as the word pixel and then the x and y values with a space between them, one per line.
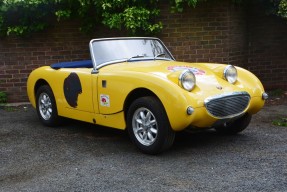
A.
pixel 201 117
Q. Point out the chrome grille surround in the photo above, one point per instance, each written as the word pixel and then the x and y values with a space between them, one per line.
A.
pixel 227 105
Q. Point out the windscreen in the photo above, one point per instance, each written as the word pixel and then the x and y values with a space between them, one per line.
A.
pixel 113 50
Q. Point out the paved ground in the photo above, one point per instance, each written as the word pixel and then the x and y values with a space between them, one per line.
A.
pixel 82 157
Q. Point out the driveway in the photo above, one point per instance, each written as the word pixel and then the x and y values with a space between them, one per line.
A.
pixel 83 157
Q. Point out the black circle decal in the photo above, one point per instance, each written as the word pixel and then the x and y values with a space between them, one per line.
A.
pixel 72 88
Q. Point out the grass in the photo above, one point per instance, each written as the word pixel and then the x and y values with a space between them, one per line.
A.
pixel 3 103
pixel 280 122
pixel 10 109
pixel 3 97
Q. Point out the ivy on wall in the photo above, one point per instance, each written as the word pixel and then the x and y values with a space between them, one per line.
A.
pixel 23 17
pixel 137 17
pixel 280 8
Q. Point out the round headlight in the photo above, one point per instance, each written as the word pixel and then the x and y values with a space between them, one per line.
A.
pixel 230 74
pixel 187 80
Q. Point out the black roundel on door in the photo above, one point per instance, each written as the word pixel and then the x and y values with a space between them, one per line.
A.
pixel 72 89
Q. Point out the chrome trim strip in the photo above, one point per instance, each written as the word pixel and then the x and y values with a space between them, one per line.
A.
pixel 225 95
pixel 111 62
pixel 93 58
pixel 125 60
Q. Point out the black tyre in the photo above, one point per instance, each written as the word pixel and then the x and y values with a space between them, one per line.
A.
pixel 46 106
pixel 148 125
pixel 236 126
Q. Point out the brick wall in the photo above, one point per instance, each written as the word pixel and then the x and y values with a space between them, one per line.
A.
pixel 212 32
pixel 219 32
pixel 267 48
pixel 19 56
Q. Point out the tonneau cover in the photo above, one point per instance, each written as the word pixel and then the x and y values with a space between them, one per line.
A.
pixel 73 64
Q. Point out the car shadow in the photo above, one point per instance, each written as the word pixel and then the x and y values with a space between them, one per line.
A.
pixel 91 130
pixel 185 140
pixel 206 140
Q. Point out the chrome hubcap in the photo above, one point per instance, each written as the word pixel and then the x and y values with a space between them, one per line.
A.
pixel 145 126
pixel 45 106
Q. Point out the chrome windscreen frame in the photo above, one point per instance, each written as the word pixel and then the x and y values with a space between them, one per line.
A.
pixel 96 67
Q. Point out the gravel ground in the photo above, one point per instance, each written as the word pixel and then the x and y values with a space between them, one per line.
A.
pixel 82 157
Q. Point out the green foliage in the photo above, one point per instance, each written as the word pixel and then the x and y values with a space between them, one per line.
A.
pixel 178 5
pixel 137 17
pixel 63 14
pixel 275 7
pixel 282 9
pixel 280 122
pixel 3 97
pixel 22 18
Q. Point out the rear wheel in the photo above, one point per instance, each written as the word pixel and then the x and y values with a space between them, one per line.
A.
pixel 46 106
pixel 236 126
pixel 148 125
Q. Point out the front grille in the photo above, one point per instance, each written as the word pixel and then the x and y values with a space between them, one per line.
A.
pixel 227 105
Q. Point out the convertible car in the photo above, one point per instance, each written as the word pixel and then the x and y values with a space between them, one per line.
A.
pixel 135 84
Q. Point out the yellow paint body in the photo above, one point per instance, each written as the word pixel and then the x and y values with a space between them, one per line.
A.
pixel 118 80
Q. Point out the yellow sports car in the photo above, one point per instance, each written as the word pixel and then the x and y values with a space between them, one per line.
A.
pixel 136 84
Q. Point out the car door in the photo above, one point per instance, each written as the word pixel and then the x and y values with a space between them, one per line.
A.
pixel 77 89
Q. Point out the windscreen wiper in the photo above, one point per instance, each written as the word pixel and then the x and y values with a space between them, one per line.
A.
pixel 159 55
pixel 133 57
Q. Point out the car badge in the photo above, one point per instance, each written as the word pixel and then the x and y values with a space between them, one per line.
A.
pixel 219 87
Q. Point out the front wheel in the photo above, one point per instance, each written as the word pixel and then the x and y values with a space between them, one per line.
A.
pixel 148 125
pixel 46 106
pixel 236 126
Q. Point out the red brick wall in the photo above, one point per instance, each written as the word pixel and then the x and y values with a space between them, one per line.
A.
pixel 212 32
pixel 19 56
pixel 219 32
pixel 267 46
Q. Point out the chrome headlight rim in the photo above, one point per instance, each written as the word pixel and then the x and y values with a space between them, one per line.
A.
pixel 185 83
pixel 227 74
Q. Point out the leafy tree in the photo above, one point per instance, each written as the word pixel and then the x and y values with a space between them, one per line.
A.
pixel 138 17
pixel 135 16
pixel 19 17
pixel 22 17
pixel 280 8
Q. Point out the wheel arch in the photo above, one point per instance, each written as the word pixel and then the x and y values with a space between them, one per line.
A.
pixel 37 85
pixel 135 94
